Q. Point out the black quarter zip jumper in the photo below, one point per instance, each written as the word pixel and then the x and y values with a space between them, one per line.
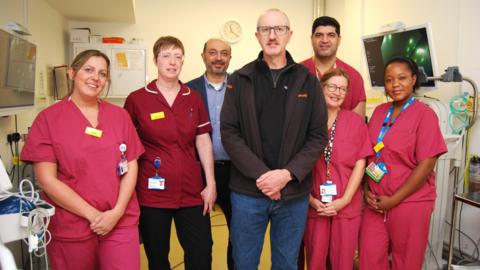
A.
pixel 271 124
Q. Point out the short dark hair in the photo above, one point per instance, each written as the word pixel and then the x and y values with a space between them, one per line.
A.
pixel 326 21
pixel 411 65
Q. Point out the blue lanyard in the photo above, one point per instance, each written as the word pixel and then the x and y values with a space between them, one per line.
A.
pixel 386 127
pixel 156 163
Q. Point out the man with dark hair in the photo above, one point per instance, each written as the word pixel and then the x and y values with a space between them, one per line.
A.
pixel 211 85
pixel 325 42
pixel 274 129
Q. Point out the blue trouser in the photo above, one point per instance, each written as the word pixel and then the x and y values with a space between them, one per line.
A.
pixel 250 217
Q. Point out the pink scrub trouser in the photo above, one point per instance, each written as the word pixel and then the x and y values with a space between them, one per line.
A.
pixel 403 231
pixel 335 237
pixel 120 249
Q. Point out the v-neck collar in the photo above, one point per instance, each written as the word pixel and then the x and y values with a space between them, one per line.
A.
pixel 87 122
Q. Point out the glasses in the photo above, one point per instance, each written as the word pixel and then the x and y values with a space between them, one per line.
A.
pixel 333 88
pixel 167 56
pixel 279 30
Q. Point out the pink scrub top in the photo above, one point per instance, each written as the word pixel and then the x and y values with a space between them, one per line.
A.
pixel 85 163
pixel 356 90
pixel 415 136
pixel 351 143
pixel 169 133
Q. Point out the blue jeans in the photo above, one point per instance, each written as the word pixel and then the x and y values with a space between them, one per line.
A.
pixel 250 216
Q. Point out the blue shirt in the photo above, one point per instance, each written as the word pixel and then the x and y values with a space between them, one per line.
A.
pixel 215 101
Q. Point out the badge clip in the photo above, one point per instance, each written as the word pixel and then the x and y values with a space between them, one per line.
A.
pixel 156 182
pixel 122 167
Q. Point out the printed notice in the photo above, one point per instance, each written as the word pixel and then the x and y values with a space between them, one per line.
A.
pixel 122 61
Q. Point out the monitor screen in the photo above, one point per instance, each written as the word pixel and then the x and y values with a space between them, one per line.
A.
pixel 413 42
pixel 17 73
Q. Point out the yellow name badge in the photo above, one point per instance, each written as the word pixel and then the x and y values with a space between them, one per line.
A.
pixel 379 146
pixel 93 132
pixel 157 115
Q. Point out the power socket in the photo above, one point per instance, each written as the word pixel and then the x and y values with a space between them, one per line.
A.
pixel 13 137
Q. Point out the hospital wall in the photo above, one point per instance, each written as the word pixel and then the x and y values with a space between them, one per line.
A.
pixel 455 40
pixel 47 28
pixel 194 22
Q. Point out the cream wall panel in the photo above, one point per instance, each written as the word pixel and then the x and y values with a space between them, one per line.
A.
pixel 193 22
pixel 47 28
pixel 366 17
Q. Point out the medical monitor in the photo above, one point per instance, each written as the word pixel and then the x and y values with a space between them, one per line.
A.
pixel 414 42
pixel 17 73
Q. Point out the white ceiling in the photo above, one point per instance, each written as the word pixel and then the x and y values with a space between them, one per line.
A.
pixel 96 10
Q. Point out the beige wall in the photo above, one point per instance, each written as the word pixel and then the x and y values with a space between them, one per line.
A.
pixel 454 26
pixel 455 40
pixel 193 22
pixel 366 17
pixel 47 28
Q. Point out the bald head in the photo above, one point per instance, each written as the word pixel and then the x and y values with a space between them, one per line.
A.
pixel 216 55
pixel 275 12
pixel 273 34
pixel 216 41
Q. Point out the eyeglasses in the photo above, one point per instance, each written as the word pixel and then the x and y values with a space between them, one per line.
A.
pixel 333 88
pixel 279 30
pixel 168 56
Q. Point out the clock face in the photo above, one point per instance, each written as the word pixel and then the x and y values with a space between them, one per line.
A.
pixel 231 31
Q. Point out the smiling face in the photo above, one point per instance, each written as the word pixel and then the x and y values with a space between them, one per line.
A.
pixel 335 90
pixel 399 82
pixel 325 41
pixel 169 62
pixel 273 43
pixel 90 79
pixel 216 56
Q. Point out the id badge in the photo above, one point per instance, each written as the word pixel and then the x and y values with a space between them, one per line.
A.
pixel 156 183
pixel 122 167
pixel 327 199
pixel 328 190
pixel 375 172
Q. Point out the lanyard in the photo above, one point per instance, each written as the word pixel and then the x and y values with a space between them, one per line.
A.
pixel 156 163
pixel 386 127
pixel 317 74
pixel 327 152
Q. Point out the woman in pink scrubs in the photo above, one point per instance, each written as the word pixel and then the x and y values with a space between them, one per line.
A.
pixel 174 127
pixel 400 186
pixel 85 154
pixel 333 221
